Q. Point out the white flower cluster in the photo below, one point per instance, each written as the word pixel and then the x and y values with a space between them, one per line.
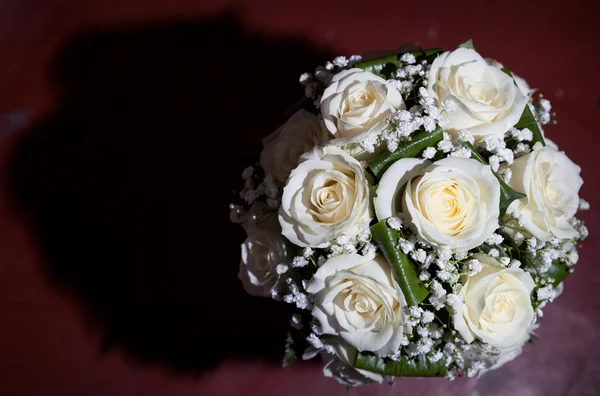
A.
pixel 315 83
pixel 410 211
pixel 297 295
pixel 469 359
pixel 424 115
pixel 542 111
pixel 422 335
pixel 260 195
pixel 360 243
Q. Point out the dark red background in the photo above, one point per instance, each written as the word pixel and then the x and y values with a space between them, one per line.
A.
pixel 106 255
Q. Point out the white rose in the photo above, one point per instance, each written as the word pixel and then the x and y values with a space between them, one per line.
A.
pixel 496 306
pixel 521 83
pixel 326 196
pixel 551 182
pixel 356 105
pixel 283 148
pixel 341 367
pixel 488 102
pixel 262 251
pixel 454 202
pixel 357 298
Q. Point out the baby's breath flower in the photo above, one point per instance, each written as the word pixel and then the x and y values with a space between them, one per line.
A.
pixel 494 253
pixel 461 254
pixel 445 145
pixel 408 58
pixel 394 223
pixel 506 155
pixel 473 267
pixel 420 255
pixel 354 59
pixel 492 143
pixel 315 341
pixel 573 257
pixel 429 152
pixel 495 239
pixel 364 235
pixel 545 104
pixel 281 269
pixel 349 248
pixel 465 136
pixel 444 275
pixel 343 240
pixel 461 152
pixel 429 123
pixel 427 317
pixel 307 252
pixel 368 249
pixel 406 246
pixel 453 300
pixel 369 144
pixel 437 289
pixel 336 250
pixel 518 238
pixel 546 293
pixel 521 149
pixel 449 106
pixel 340 61
pixel 305 78
pixel 531 242
pixel 436 357
pixel 299 261
pixel 415 311
pixel 494 161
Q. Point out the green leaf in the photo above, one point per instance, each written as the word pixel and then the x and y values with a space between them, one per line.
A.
pixel 290 350
pixel 486 247
pixel 388 64
pixel 467 44
pixel 429 54
pixel 511 245
pixel 507 194
pixel 417 367
pixel 557 271
pixel 410 149
pixel 402 267
pixel 378 65
pixel 528 120
pixel 475 154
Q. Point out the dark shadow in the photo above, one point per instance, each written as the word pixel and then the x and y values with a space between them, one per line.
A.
pixel 127 183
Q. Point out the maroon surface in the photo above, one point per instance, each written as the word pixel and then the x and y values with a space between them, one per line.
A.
pixel 47 345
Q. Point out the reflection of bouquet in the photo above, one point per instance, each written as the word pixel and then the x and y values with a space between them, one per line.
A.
pixel 412 215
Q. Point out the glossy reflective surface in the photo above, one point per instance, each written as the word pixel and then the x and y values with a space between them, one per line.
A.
pixel 150 90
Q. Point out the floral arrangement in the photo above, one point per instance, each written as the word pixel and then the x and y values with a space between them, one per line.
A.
pixel 412 215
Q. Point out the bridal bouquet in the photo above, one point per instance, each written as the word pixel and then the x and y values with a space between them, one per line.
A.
pixel 412 215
